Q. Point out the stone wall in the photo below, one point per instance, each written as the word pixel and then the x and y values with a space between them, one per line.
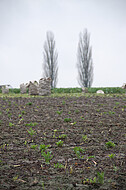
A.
pixel 44 86
pixel 23 89
pixel 33 88
pixel 5 90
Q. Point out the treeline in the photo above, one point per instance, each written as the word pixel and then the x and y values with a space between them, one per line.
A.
pixel 107 90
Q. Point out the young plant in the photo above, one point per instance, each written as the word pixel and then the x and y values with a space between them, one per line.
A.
pixel 111 156
pixel 59 112
pixel 67 119
pixel 47 156
pixel 31 132
pixel 110 144
pixel 31 124
pixel 84 137
pixel 63 136
pixel 89 157
pixel 29 103
pixel 11 124
pixel 77 151
pixel 89 181
pixel 58 165
pixel 54 135
pixel 59 143
pixel 33 146
pixel 43 147
pixel 100 177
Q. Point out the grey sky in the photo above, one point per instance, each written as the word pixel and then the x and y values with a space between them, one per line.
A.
pixel 23 27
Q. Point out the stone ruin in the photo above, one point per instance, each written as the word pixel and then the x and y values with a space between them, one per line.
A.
pixel 5 90
pixel 33 88
pixel 43 88
pixel 23 88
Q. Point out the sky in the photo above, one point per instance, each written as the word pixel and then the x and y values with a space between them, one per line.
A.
pixel 23 28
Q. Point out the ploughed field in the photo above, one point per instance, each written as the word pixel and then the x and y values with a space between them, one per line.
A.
pixel 63 142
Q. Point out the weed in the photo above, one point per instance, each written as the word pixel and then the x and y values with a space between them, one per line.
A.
pixel 47 156
pixel 58 165
pixel 110 144
pixel 67 119
pixel 59 143
pixel 31 132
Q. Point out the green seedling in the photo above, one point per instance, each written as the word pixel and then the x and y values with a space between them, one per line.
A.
pixel 63 102
pixel 31 124
pixel 43 147
pixel 115 168
pixel 76 111
pixel 100 177
pixel 59 143
pixel 89 181
pixel 33 146
pixel 31 132
pixel 58 165
pixel 111 156
pixel 67 119
pixel 110 144
pixel 25 142
pixel 89 157
pixel 23 112
pixel 77 151
pixel 15 178
pixel 29 103
pixel 111 112
pixel 84 137
pixel 9 115
pixel 63 136
pixel 47 156
pixel 11 124
pixel 73 123
pixel 54 135
pixel 59 112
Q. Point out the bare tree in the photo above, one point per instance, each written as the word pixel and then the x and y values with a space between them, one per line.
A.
pixel 84 60
pixel 50 59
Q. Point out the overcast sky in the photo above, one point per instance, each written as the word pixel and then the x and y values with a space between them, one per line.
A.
pixel 23 27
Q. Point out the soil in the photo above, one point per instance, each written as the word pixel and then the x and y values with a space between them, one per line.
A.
pixel 88 122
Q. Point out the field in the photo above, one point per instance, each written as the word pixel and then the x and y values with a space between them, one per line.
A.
pixel 61 142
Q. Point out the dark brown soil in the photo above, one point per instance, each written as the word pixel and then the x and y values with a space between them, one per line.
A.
pixel 95 120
